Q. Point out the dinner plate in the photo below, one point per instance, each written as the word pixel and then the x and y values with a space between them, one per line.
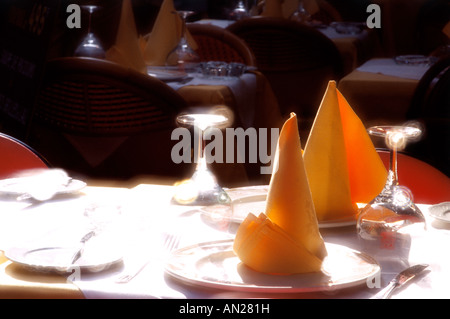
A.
pixel 441 212
pixel 252 199
pixel 57 259
pixel 15 187
pixel 166 75
pixel 348 27
pixel 214 265
pixel 412 59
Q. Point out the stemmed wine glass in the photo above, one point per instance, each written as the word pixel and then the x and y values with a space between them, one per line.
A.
pixel 183 57
pixel 301 14
pixel 202 188
pixel 240 11
pixel 90 46
pixel 387 224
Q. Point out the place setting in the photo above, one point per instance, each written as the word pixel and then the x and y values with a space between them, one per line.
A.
pixel 275 245
pixel 56 226
pixel 40 185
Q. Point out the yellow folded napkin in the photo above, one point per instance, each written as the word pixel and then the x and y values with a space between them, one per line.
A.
pixel 165 35
pixel 341 162
pixel 446 29
pixel 127 49
pixel 286 239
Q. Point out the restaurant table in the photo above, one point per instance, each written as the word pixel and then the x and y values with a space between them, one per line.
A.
pixel 249 96
pixel 355 49
pixel 380 91
pixel 137 232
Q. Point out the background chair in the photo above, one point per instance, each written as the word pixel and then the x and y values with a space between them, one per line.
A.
pixel 95 118
pixel 297 60
pixel 431 107
pixel 16 155
pixel 427 184
pixel 218 44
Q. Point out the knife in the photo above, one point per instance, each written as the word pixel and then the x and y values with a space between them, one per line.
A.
pixel 79 252
pixel 399 280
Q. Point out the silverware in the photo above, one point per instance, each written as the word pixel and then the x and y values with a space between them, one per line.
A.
pixel 80 250
pixel 170 243
pixel 399 280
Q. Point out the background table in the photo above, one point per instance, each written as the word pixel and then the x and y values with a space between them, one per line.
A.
pixel 354 48
pixel 380 91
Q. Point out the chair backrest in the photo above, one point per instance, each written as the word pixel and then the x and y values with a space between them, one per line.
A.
pixel 297 60
pixel 98 118
pixel 91 96
pixel 218 44
pixel 427 184
pixel 16 156
pixel 431 106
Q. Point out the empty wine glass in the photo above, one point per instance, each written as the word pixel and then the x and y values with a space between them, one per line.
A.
pixel 183 56
pixel 90 46
pixel 387 225
pixel 301 14
pixel 202 188
pixel 240 11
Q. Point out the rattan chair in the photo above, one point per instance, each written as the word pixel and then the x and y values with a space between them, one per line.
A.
pixel 218 44
pixel 430 105
pixel 97 118
pixel 297 60
pixel 16 156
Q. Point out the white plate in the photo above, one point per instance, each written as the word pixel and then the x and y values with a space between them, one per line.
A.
pixel 252 199
pixel 214 265
pixel 348 27
pixel 15 187
pixel 46 259
pixel 166 75
pixel 412 59
pixel 441 212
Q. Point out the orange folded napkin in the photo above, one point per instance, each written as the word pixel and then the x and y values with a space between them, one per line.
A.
pixel 446 29
pixel 165 35
pixel 341 162
pixel 286 239
pixel 127 50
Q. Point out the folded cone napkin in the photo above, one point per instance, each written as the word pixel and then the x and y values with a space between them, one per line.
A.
pixel 286 239
pixel 127 49
pixel 133 51
pixel 340 159
pixel 446 29
pixel 165 35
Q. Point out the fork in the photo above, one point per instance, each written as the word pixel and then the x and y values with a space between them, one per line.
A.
pixel 171 242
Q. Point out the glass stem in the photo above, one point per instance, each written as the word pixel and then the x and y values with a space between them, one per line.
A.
pixel 89 21
pixel 183 29
pixel 393 165
pixel 200 154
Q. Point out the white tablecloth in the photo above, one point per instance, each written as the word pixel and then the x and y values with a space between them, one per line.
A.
pixel 243 89
pixel 391 68
pixel 148 217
